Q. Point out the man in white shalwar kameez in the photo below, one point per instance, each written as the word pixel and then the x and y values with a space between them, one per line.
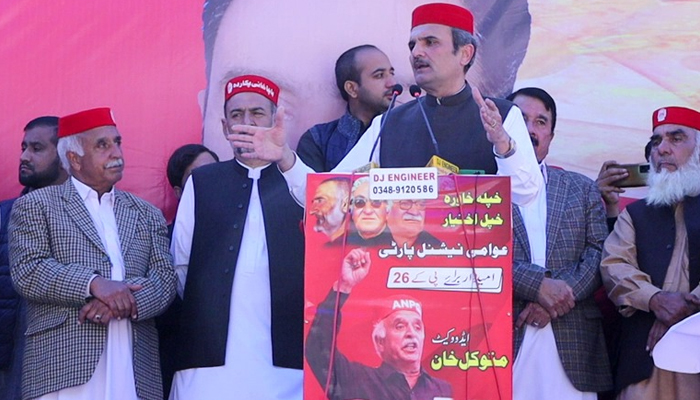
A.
pixel 238 250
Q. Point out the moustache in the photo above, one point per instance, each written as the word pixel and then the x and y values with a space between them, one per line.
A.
pixel 26 165
pixel 535 141
pixel 115 163
pixel 418 63
pixel 412 217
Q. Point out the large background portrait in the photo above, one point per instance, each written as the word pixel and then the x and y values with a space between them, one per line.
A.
pixel 609 65
pixel 161 66
pixel 296 44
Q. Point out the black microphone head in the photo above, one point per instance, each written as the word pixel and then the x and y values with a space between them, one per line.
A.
pixel 415 91
pixel 396 89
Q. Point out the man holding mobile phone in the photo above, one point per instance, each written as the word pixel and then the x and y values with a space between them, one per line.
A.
pixel 610 176
pixel 651 260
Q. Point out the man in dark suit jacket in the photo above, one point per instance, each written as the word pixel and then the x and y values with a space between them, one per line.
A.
pixel 39 166
pixel 93 263
pixel 557 250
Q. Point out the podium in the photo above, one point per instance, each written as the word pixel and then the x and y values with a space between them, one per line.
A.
pixel 440 250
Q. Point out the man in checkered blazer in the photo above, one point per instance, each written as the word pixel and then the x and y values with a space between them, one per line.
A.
pixel 93 263
pixel 557 244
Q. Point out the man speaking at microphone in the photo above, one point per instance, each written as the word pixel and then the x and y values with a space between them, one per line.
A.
pixel 453 121
pixel 458 124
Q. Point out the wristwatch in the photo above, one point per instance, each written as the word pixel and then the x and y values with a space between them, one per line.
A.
pixel 510 152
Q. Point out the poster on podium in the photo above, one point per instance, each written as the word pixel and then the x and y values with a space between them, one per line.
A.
pixel 408 288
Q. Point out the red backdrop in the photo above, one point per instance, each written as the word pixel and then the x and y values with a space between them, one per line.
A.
pixel 143 59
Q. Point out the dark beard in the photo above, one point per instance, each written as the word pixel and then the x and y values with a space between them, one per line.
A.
pixel 42 179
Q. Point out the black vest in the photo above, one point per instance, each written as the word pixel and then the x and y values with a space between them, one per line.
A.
pixel 655 235
pixel 222 194
pixel 456 123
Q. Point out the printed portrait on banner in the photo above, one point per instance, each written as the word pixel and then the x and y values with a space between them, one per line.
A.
pixel 408 277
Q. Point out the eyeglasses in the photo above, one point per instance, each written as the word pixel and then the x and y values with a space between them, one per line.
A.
pixel 361 202
pixel 407 204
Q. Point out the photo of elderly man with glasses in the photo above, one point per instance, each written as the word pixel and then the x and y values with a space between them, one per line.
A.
pixel 369 217
pixel 386 222
pixel 406 221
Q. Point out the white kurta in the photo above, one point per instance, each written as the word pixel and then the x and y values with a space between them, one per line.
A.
pixel 113 378
pixel 679 349
pixel 248 372
pixel 538 373
pixel 525 180
pixel 522 167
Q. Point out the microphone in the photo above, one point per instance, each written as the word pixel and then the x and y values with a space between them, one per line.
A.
pixel 396 90
pixel 415 91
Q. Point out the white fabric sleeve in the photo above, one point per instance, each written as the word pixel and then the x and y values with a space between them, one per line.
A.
pixel 296 180
pixel 357 157
pixel 526 179
pixel 359 154
pixel 88 294
pixel 181 244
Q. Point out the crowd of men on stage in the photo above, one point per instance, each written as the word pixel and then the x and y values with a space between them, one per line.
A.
pixel 97 294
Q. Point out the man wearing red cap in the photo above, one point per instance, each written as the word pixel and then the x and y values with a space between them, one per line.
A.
pixel 459 125
pixel 92 262
pixel 398 338
pixel 651 260
pixel 309 93
pixel 238 251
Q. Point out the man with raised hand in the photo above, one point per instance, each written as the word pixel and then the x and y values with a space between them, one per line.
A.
pixel 468 130
pixel 238 250
pixel 398 337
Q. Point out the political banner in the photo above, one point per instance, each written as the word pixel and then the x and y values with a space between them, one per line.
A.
pixel 408 289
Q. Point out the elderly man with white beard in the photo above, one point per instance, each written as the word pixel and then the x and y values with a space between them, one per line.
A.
pixel 651 261
pixel 330 207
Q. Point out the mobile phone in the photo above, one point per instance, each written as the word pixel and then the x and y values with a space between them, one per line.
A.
pixel 637 177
